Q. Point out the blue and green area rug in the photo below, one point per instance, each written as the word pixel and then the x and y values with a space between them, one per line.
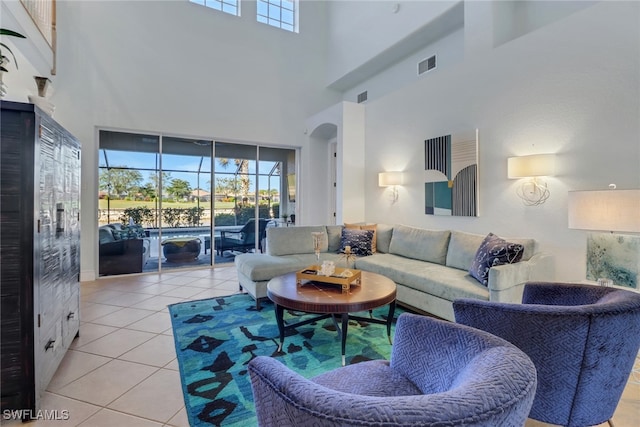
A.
pixel 216 338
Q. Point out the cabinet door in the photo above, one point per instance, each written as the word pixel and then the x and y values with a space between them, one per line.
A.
pixel 68 215
pixel 71 319
pixel 47 254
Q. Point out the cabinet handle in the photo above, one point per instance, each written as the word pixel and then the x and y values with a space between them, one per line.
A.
pixel 49 345
pixel 71 315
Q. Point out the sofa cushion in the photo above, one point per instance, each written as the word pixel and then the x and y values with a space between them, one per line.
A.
pixel 294 240
pixel 334 233
pixel 383 237
pixel 434 279
pixel 360 241
pixel 366 227
pixel 419 243
pixel 529 247
pixel 260 267
pixel 494 251
pixel 462 249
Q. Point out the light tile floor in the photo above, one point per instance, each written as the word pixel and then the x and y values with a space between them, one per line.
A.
pixel 122 370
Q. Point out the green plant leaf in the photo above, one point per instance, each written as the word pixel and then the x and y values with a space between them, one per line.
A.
pixel 5 32
pixel 12 55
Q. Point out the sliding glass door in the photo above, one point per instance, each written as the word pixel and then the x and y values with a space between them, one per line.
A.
pixel 249 184
pixel 167 202
pixel 154 203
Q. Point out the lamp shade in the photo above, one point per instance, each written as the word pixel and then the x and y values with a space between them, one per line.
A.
pixel 386 179
pixel 607 210
pixel 529 166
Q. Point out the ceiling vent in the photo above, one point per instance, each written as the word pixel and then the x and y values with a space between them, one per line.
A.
pixel 362 97
pixel 426 65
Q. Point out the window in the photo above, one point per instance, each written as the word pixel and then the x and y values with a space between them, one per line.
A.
pixel 227 6
pixel 279 13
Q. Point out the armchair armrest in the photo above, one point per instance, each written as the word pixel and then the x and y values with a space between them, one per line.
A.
pixel 506 282
pixel 285 398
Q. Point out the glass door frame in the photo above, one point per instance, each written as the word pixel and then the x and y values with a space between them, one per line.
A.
pixel 263 168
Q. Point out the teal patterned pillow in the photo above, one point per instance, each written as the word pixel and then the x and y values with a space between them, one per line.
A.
pixel 134 231
pixel 359 240
pixel 128 232
pixel 494 251
pixel 119 235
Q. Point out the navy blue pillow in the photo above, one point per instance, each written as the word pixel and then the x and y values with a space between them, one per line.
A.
pixel 494 251
pixel 359 240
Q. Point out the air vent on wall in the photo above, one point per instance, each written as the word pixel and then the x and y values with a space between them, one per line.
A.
pixel 427 65
pixel 362 97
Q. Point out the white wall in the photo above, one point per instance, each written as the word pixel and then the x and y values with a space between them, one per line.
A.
pixel 571 87
pixel 342 123
pixel 33 54
pixel 361 30
pixel 180 68
pixel 351 163
pixel 448 50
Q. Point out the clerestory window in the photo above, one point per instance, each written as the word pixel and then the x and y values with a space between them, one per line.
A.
pixel 279 13
pixel 228 6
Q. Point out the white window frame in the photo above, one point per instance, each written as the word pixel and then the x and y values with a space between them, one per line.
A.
pixel 226 6
pixel 273 15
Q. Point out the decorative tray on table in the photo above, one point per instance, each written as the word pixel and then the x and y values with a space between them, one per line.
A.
pixel 344 277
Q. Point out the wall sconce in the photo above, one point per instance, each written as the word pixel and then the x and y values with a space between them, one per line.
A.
pixel 534 191
pixel 611 258
pixel 391 179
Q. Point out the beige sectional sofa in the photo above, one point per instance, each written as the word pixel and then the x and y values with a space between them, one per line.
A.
pixel 430 267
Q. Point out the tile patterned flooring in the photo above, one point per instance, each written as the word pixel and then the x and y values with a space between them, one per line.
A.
pixel 122 370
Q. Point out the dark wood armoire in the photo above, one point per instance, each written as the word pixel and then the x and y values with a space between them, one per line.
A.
pixel 39 251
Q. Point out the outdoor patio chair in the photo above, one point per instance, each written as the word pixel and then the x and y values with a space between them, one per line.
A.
pixel 243 240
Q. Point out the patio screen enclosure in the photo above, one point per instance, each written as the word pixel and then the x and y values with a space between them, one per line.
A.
pixel 187 194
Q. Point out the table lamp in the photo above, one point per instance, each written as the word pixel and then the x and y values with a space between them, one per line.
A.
pixel 611 257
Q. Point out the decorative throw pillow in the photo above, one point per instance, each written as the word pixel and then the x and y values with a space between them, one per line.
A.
pixel 134 231
pixel 494 251
pixel 119 235
pixel 366 227
pixel 359 240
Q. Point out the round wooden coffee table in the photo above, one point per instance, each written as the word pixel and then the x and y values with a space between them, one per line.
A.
pixel 328 300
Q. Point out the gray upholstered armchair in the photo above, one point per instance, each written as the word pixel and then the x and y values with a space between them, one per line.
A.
pixel 440 374
pixel 582 338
